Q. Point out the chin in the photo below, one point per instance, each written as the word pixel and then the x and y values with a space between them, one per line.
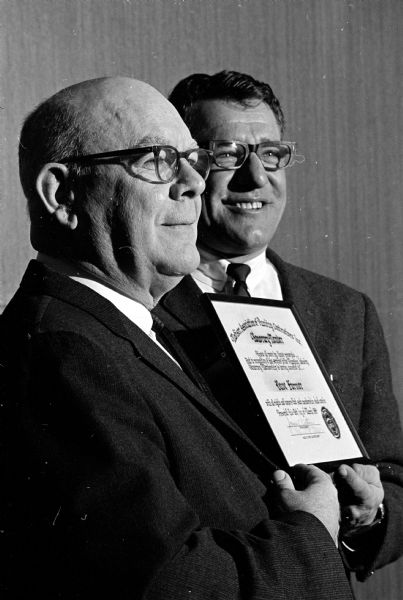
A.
pixel 185 261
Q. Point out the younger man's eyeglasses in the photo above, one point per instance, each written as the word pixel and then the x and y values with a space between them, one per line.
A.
pixel 155 164
pixel 231 154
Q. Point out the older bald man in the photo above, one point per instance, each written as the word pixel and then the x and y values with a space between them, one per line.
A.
pixel 121 476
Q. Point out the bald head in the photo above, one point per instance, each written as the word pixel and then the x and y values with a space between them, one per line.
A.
pixel 113 111
pixel 98 115
pixel 89 117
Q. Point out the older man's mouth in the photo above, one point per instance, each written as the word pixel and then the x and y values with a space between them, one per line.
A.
pixel 192 223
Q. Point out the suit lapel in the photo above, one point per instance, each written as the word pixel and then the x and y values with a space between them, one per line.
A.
pixel 296 291
pixel 183 303
pixel 39 279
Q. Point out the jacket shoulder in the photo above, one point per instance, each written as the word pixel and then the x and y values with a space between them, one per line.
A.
pixel 322 288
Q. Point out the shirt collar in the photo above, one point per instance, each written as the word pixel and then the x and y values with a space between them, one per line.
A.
pixel 212 270
pixel 133 310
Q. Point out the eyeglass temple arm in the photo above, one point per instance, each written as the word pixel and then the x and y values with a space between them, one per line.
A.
pixel 296 158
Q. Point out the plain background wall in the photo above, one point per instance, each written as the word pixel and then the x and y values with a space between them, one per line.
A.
pixel 336 66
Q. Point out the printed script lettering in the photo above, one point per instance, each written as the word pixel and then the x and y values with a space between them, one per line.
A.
pixel 270 337
pixel 300 413
pixel 265 360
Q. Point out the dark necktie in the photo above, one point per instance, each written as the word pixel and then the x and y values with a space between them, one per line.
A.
pixel 239 273
pixel 168 339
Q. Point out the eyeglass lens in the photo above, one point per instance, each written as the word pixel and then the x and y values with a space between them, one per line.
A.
pixel 163 162
pixel 168 161
pixel 232 155
pixel 200 160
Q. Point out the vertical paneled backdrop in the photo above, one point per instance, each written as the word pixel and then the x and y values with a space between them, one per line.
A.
pixel 336 65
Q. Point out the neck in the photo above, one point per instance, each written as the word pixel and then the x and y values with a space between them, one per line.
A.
pixel 147 293
pixel 137 285
pixel 119 282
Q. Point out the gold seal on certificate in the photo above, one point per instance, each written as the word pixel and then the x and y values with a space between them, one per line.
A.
pixel 287 380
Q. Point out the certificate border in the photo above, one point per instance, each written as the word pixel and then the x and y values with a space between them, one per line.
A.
pixel 208 301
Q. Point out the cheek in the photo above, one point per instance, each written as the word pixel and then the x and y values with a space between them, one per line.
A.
pixel 142 211
pixel 208 212
pixel 160 195
pixel 132 221
pixel 217 184
pixel 277 183
pixel 216 191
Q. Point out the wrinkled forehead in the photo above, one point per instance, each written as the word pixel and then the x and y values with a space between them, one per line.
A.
pixel 131 120
pixel 220 119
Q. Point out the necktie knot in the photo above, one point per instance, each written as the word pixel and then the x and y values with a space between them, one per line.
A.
pixel 239 272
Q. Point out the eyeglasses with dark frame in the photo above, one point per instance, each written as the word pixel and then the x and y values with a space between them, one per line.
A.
pixel 232 154
pixel 161 160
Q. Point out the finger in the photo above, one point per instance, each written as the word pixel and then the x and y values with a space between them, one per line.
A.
pixel 282 480
pixel 369 473
pixel 309 474
pixel 352 478
pixel 360 485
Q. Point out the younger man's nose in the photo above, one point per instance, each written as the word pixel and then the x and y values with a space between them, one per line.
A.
pixel 252 173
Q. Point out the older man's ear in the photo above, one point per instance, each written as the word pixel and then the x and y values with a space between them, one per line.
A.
pixel 56 195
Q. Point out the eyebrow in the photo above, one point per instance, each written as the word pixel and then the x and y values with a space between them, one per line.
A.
pixel 152 140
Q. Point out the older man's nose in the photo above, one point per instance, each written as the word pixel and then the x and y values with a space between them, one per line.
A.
pixel 188 182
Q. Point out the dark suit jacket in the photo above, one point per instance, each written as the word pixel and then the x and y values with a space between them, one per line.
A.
pixel 344 327
pixel 121 479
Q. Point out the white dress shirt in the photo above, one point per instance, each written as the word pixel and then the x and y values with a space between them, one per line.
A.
pixel 262 281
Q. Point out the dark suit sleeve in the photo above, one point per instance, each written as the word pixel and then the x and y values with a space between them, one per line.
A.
pixel 98 512
pixel 380 430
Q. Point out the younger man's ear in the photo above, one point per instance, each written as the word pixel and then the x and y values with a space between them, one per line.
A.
pixel 56 194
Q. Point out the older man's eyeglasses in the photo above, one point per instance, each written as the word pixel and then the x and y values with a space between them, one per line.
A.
pixel 231 155
pixel 155 164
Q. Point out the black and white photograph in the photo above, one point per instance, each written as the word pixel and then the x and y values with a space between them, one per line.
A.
pixel 201 299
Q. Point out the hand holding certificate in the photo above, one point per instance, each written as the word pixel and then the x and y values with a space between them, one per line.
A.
pixel 289 383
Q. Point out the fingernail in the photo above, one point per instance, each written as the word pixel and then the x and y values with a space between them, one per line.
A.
pixel 279 475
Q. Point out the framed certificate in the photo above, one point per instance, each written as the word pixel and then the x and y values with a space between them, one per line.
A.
pixel 269 344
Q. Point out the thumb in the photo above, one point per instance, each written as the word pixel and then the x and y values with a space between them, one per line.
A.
pixel 282 480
